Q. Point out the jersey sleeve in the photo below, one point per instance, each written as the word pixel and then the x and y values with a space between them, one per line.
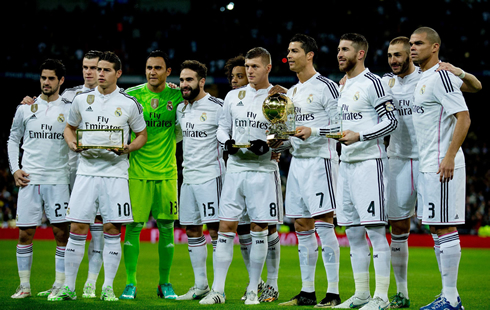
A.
pixel 74 117
pixel 382 101
pixel 16 133
pixel 449 93
pixel 224 124
pixel 136 120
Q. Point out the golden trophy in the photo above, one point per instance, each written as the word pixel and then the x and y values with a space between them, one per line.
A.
pixel 100 139
pixel 335 116
pixel 279 110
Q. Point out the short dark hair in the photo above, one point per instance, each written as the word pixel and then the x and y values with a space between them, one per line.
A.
pixel 54 64
pixel 194 65
pixel 358 41
pixel 402 40
pixel 308 44
pixel 259 52
pixel 112 58
pixel 432 35
pixel 159 53
pixel 92 54
pixel 238 61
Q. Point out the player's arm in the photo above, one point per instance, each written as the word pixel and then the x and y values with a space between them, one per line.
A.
pixel 446 168
pixel 388 123
pixel 223 134
pixel 470 83
pixel 70 137
pixel 16 133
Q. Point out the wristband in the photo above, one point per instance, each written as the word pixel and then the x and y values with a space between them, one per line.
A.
pixel 462 75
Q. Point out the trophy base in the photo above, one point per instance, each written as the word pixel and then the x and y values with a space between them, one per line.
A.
pixel 241 146
pixel 334 135
pixel 99 147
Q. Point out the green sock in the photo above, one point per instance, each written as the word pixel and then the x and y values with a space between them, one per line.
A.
pixel 165 248
pixel 132 250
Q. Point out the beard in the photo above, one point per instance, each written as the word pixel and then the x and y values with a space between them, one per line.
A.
pixel 192 94
pixel 49 92
pixel 403 67
pixel 348 65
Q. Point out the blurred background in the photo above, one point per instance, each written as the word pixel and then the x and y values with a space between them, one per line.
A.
pixel 214 31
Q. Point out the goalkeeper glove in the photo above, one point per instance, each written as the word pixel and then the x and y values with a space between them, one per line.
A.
pixel 229 147
pixel 258 147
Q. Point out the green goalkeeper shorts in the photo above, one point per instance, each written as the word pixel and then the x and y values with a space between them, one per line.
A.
pixel 160 197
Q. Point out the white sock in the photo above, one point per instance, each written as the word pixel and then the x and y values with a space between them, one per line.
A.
pixel 450 257
pixel 273 259
pixel 24 263
pixel 399 261
pixel 214 243
pixel 112 257
pixel 360 257
pixel 198 252
pixel 59 259
pixel 95 250
pixel 75 249
pixel 437 251
pixel 330 254
pixel 381 260
pixel 223 259
pixel 308 256
pixel 245 246
pixel 258 254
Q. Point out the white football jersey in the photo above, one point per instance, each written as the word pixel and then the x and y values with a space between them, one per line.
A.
pixel 403 142
pixel 94 110
pixel 40 126
pixel 198 122
pixel 367 107
pixel 312 101
pixel 437 98
pixel 243 120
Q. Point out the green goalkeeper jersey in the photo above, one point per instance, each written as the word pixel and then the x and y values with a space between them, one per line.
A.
pixel 156 159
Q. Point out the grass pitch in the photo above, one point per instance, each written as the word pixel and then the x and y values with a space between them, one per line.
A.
pixel 424 279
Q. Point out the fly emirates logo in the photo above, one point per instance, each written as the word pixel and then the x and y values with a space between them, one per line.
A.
pixel 46 133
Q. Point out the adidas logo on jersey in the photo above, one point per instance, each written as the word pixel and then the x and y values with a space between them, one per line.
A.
pixel 33 116
pixel 89 109
pixel 240 104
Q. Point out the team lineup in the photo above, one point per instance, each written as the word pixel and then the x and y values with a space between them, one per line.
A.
pixel 231 179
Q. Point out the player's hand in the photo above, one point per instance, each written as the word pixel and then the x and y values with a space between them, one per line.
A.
pixel 258 147
pixel 172 85
pixel 276 156
pixel 28 100
pixel 449 67
pixel 229 147
pixel 21 178
pixel 349 137
pixel 74 147
pixel 303 132
pixel 278 89
pixel 446 169
pixel 342 81
pixel 124 150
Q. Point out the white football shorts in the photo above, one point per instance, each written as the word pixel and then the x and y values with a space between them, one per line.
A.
pixel 362 193
pixel 33 199
pixel 403 188
pixel 109 196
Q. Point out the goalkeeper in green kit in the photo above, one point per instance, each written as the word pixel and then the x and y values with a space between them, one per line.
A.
pixel 153 174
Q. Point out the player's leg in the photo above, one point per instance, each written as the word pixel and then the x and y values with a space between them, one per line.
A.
pixel 165 211
pixel 95 250
pixel 29 215
pixel 141 195
pixel 331 257
pixel 444 210
pixel 56 198
pixel 370 198
pixel 112 258
pixel 270 289
pixel 24 261
pixel 403 198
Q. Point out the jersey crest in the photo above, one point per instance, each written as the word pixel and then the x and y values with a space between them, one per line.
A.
pixel 34 108
pixel 90 99
pixel 170 106
pixel 391 82
pixel 154 103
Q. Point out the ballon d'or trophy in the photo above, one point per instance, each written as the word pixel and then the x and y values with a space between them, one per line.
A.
pixel 279 110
